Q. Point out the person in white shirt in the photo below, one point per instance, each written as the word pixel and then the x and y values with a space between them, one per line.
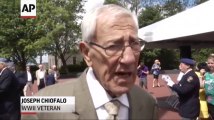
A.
pixel 29 85
pixel 40 76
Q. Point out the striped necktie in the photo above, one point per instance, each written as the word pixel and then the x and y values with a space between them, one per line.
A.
pixel 112 108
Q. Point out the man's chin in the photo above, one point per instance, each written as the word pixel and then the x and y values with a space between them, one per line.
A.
pixel 121 91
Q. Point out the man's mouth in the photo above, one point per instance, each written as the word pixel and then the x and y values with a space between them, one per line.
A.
pixel 123 74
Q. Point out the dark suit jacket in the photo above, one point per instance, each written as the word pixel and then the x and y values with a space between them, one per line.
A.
pixel 9 96
pixel 50 79
pixel 142 105
pixel 22 78
pixel 188 91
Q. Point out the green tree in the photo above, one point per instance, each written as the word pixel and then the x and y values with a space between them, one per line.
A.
pixel 17 35
pixel 150 15
pixel 172 7
pixel 55 30
pixel 154 13
pixel 112 2
pixel 201 55
pixel 200 1
pixel 136 6
pixel 61 20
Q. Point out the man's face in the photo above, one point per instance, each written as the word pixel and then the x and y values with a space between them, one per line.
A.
pixel 40 67
pixel 54 67
pixel 116 74
pixel 28 68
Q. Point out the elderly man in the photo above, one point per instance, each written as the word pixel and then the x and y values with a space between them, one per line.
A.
pixel 9 93
pixel 111 49
pixel 187 90
pixel 40 77
pixel 55 72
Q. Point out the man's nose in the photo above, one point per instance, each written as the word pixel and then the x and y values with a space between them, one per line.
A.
pixel 128 56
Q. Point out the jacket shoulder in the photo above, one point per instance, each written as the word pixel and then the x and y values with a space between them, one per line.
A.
pixel 141 94
pixel 142 102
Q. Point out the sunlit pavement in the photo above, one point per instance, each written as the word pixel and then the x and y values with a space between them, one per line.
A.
pixel 161 93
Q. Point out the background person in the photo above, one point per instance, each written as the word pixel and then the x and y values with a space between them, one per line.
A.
pixel 188 90
pixel 55 72
pixel 50 78
pixel 200 71
pixel 209 85
pixel 29 85
pixel 156 71
pixel 20 75
pixel 143 71
pixel 9 93
pixel 111 49
pixel 40 76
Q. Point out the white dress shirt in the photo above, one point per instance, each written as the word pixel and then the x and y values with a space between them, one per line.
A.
pixel 41 74
pixel 29 77
pixel 180 75
pixel 2 70
pixel 100 97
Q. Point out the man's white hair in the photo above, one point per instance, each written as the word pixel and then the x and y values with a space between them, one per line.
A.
pixel 89 22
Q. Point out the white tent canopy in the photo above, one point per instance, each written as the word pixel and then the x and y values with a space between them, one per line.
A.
pixel 194 26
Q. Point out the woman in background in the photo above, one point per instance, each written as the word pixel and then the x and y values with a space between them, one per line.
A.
pixel 209 85
pixel 156 71
pixel 200 71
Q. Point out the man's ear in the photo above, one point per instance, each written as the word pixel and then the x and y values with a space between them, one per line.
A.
pixel 84 49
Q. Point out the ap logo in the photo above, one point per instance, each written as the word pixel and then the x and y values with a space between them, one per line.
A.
pixel 28 8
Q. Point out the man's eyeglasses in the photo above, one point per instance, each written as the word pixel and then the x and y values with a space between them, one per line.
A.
pixel 117 49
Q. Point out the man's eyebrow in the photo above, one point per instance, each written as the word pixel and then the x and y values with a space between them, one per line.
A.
pixel 115 40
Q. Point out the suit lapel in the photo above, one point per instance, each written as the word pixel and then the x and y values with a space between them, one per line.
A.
pixel 84 101
pixel 134 109
pixel 140 103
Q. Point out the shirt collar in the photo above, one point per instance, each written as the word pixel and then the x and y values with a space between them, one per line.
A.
pixel 98 93
pixel 2 70
pixel 187 71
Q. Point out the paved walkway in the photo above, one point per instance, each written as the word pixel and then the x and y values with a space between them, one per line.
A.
pixel 161 94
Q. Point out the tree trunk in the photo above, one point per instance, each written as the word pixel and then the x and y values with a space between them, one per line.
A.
pixel 56 60
pixel 64 64
pixel 22 66
pixel 40 59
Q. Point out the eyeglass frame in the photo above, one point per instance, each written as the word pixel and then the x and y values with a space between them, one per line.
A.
pixel 141 47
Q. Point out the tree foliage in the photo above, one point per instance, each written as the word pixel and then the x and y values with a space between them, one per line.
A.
pixel 171 7
pixel 150 15
pixel 55 30
pixel 17 35
pixel 61 20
